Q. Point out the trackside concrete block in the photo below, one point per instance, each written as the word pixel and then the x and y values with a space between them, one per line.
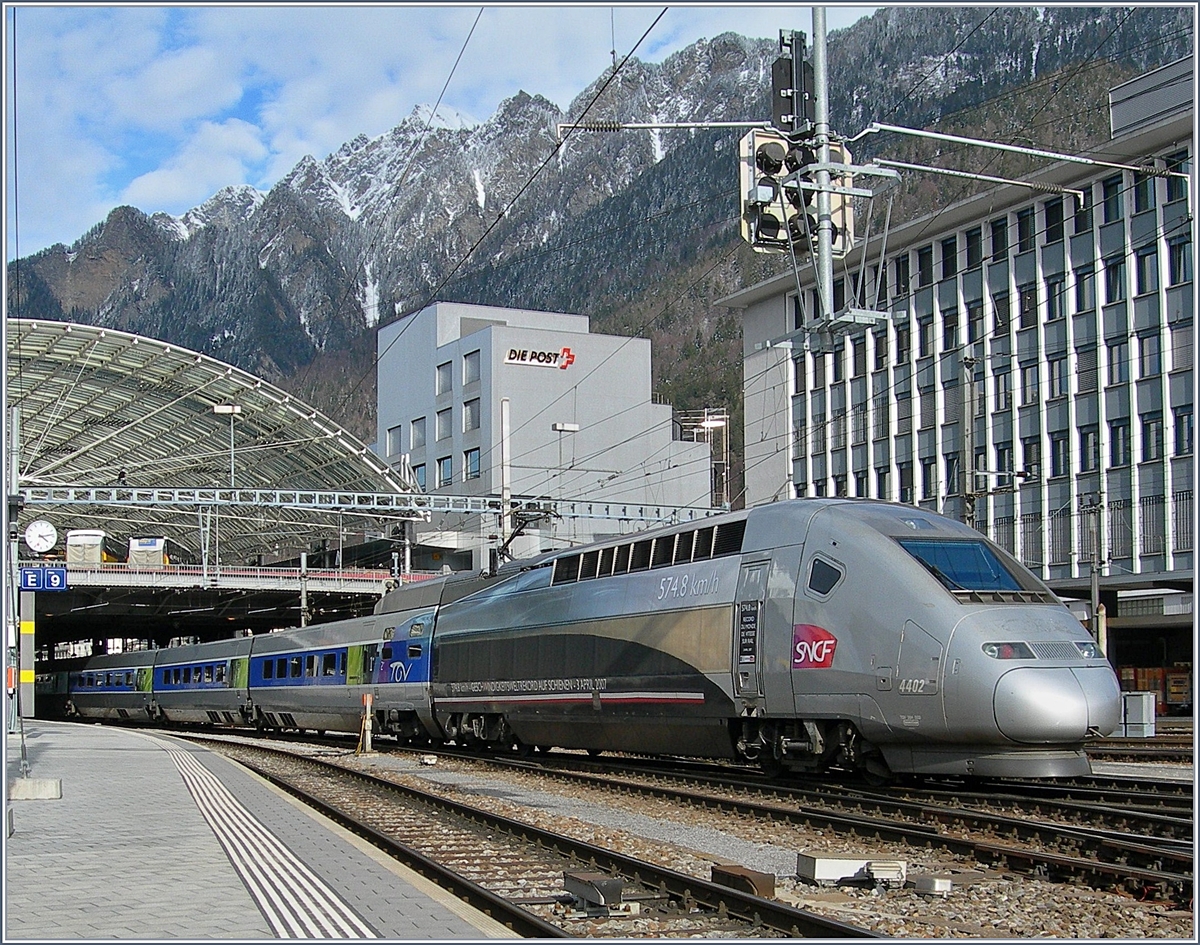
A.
pixel 35 789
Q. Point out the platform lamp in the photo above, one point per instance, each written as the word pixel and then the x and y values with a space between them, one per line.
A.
pixel 232 410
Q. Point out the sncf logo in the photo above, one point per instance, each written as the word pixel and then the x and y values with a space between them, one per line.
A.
pixel 812 647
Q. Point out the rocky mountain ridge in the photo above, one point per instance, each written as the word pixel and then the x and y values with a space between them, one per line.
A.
pixel 636 229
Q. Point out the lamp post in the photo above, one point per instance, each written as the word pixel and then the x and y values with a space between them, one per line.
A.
pixel 232 410
pixel 1091 503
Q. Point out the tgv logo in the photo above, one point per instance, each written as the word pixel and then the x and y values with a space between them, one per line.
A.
pixel 812 647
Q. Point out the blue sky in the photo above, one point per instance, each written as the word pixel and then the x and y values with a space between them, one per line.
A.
pixel 161 106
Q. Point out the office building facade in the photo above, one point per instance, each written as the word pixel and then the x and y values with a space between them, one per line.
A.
pixel 1043 342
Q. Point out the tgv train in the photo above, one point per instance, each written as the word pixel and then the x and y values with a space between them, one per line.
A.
pixel 802 635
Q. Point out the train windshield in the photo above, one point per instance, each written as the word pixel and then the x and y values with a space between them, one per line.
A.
pixel 962 565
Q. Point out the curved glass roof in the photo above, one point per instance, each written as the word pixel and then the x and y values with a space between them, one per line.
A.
pixel 101 407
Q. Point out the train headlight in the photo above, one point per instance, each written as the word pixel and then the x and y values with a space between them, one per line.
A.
pixel 1008 651
pixel 1089 650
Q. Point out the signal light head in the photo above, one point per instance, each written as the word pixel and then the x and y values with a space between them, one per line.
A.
pixel 769 157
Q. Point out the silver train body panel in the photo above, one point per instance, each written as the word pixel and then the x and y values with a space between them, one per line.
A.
pixel 802 635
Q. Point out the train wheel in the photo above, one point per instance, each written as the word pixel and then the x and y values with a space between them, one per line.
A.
pixel 522 750
pixel 595 752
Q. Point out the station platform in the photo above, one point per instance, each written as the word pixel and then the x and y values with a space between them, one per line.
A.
pixel 154 838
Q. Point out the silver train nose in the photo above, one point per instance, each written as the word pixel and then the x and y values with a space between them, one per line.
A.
pixel 1056 704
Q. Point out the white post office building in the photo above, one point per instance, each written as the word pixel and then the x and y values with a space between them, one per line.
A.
pixel 583 426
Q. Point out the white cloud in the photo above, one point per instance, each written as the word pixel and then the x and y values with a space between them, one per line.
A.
pixel 217 154
pixel 162 106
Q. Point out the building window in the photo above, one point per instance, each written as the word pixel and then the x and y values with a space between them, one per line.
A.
pixel 1118 443
pixel 950 257
pixel 975 321
pixel 950 331
pixel 1118 362
pixel 470 368
pixel 1002 304
pixel 1087 368
pixel 1183 430
pixel 444 378
pixel 1082 220
pixel 1004 458
pixel 1025 230
pixel 1054 220
pixel 951 464
pixel 1027 303
pixel 902 344
pixel 1179 260
pixel 1056 298
pixel 858 424
pixel 925 266
pixel 1060 455
pixel 860 485
pixel 1181 347
pixel 417 434
pixel 882 475
pixel 1029 384
pixel 881 348
pixel 471 464
pixel 1031 455
pixel 471 415
pixel 395 440
pixel 1057 377
pixel 818 371
pixel 799 372
pixel 445 472
pixel 839 361
pixel 906 482
pixel 924 337
pixel 444 429
pixel 1143 192
pixel 858 353
pixel 1089 448
pixel 839 486
pixel 903 275
pixel 1111 188
pixel 1085 289
pixel 419 475
pixel 1149 356
pixel 1114 279
pixel 1003 390
pixel 974 239
pixel 1177 187
pixel 1146 269
pixel 929 479
pixel 999 232
pixel 1152 436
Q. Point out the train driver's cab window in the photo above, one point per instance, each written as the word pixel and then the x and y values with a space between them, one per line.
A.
pixel 962 565
pixel 823 577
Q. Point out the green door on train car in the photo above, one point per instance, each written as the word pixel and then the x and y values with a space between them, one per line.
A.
pixel 239 673
pixel 360 660
pixel 145 679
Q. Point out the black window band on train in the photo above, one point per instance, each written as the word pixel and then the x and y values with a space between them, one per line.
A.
pixel 701 544
pixel 962 565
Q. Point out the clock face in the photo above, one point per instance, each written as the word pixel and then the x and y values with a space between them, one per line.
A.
pixel 40 536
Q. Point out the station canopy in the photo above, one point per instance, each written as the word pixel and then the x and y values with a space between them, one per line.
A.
pixel 102 408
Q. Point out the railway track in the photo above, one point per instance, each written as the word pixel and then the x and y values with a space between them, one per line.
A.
pixel 518 872
pixel 1144 852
